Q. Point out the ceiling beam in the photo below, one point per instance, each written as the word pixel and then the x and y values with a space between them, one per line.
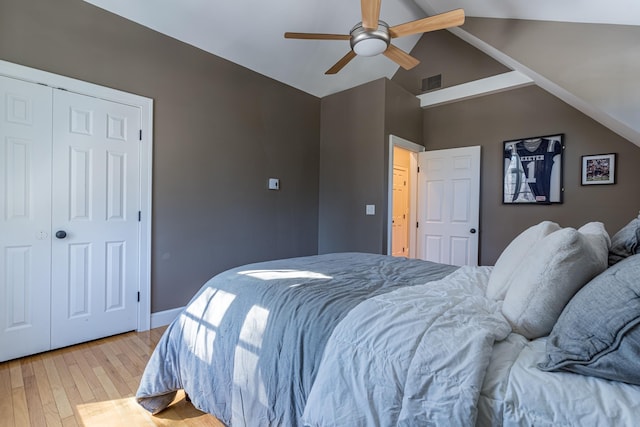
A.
pixel 474 89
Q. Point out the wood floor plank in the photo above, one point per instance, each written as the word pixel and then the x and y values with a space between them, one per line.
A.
pixel 107 384
pixel 51 415
pixel 89 385
pixel 85 358
pixel 34 403
pixel 20 408
pixel 68 383
pixel 117 372
pixel 57 388
pixel 133 363
pixel 6 405
pixel 70 422
pixel 16 374
pixel 84 389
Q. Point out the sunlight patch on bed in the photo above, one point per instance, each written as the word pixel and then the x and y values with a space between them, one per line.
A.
pixel 211 305
pixel 283 274
pixel 202 317
pixel 246 358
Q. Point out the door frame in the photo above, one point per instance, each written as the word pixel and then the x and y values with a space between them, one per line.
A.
pixel 145 105
pixel 396 141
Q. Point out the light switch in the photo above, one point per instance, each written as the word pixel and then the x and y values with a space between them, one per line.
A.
pixel 371 209
pixel 274 184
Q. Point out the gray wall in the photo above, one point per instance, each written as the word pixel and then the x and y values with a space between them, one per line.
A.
pixel 220 132
pixel 441 52
pixel 354 148
pixel 530 111
pixel 526 112
pixel 598 64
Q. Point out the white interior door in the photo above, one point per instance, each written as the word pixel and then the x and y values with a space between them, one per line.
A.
pixel 25 217
pixel 449 205
pixel 96 185
pixel 400 215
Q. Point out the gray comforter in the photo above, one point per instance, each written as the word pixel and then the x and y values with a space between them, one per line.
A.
pixel 248 347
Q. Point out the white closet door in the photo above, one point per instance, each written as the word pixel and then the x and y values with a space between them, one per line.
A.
pixel 96 185
pixel 25 217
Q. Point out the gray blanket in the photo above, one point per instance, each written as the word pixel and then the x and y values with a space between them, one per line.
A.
pixel 248 346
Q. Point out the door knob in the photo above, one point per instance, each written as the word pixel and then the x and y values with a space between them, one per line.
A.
pixel 472 231
pixel 61 234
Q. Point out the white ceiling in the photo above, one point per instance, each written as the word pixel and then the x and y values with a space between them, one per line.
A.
pixel 250 32
pixel 622 12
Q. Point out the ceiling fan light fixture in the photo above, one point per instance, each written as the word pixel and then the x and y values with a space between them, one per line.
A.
pixel 368 42
pixel 370 47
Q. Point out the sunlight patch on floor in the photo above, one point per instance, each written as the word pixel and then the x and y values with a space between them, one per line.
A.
pixel 121 412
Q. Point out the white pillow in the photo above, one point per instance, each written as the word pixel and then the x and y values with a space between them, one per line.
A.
pixel 516 251
pixel 554 270
pixel 596 230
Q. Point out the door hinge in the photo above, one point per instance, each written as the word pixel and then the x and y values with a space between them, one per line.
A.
pixel 418 169
pixel 417 225
pixel 139 216
pixel 138 296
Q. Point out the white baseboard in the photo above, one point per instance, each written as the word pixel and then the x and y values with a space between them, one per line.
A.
pixel 163 318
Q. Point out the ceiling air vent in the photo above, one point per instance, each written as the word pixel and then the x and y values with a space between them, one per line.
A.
pixel 431 83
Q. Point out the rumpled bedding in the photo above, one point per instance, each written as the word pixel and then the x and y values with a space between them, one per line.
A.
pixel 518 394
pixel 247 348
pixel 412 357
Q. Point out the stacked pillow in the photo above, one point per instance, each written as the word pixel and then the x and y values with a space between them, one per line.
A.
pixel 508 263
pixel 598 332
pixel 625 242
pixel 548 266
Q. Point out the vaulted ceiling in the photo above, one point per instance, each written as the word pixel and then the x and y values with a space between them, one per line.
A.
pixel 583 51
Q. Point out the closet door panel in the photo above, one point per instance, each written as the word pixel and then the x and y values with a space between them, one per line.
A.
pixel 96 193
pixel 25 217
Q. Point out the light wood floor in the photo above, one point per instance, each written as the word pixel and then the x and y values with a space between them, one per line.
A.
pixel 91 384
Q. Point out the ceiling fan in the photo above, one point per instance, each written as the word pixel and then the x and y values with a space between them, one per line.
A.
pixel 372 36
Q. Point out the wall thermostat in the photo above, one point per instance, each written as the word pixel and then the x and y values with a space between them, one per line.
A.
pixel 274 184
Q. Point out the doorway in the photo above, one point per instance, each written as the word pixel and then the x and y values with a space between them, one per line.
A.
pixel 443 202
pixel 403 182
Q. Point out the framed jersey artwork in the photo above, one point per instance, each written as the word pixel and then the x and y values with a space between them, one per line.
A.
pixel 533 170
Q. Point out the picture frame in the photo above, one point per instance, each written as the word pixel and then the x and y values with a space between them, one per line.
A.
pixel 599 169
pixel 532 172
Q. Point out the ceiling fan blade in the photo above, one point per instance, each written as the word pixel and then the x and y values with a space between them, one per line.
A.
pixel 316 36
pixel 400 57
pixel 341 63
pixel 450 19
pixel 370 13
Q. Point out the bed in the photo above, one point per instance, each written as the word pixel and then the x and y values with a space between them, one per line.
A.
pixel 550 335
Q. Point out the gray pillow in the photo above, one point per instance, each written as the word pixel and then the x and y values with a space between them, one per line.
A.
pixel 625 242
pixel 598 332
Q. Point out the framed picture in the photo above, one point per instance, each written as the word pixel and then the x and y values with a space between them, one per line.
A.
pixel 533 170
pixel 599 169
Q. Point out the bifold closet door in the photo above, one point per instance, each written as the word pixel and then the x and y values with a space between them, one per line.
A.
pixel 25 217
pixel 96 193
